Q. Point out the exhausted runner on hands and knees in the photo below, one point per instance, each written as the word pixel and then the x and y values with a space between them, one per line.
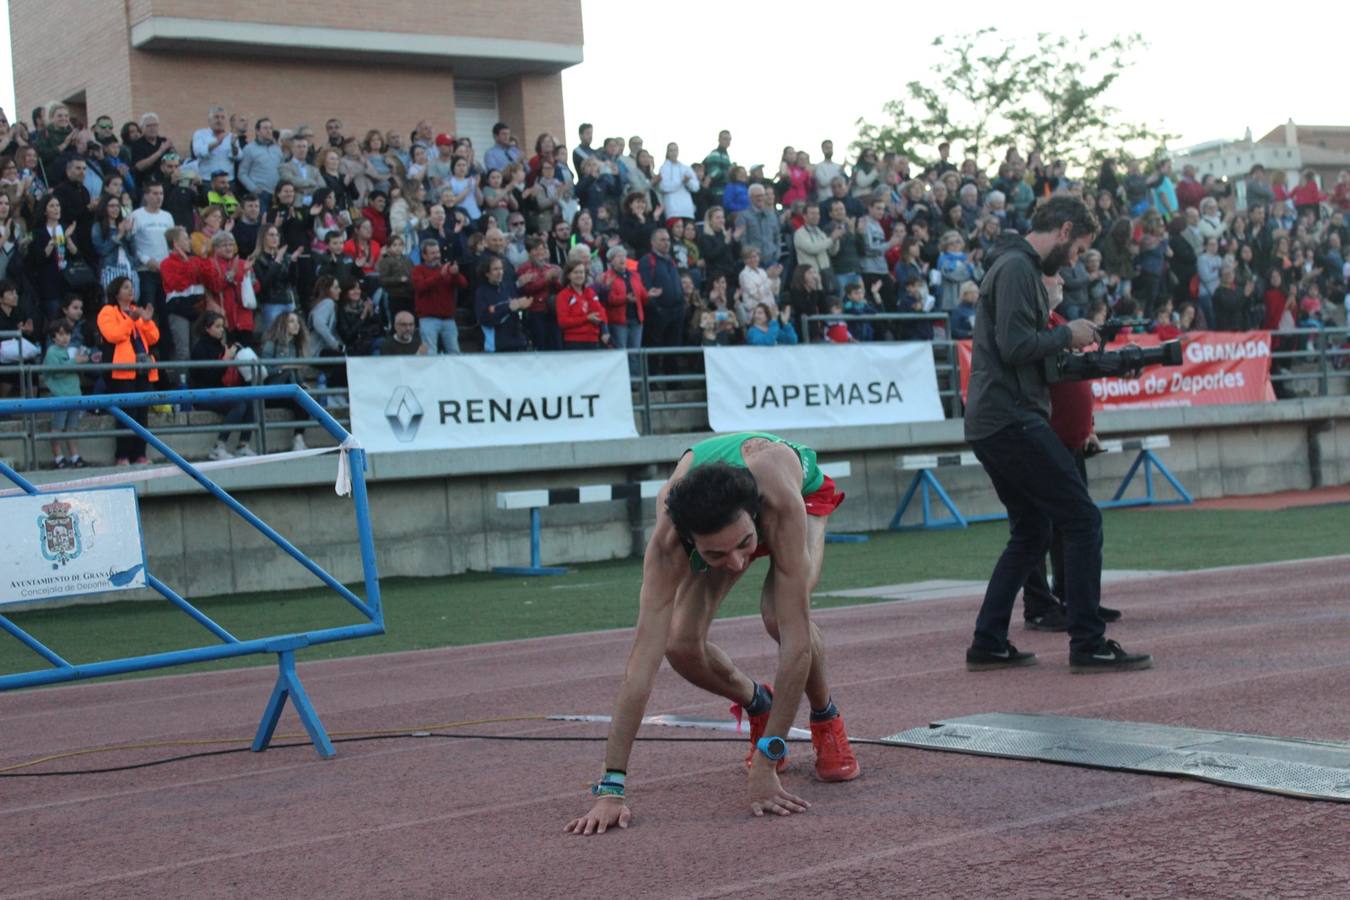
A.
pixel 731 499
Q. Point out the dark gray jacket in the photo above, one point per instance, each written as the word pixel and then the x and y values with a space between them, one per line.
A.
pixel 1007 384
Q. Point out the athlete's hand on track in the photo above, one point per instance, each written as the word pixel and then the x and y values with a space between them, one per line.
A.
pixel 767 794
pixel 607 811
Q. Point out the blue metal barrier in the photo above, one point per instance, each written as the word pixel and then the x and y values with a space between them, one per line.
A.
pixel 925 486
pixel 284 646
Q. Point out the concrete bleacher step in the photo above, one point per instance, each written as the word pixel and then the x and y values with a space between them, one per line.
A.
pixel 674 421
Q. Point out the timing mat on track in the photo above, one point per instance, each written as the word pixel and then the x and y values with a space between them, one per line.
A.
pixel 1292 767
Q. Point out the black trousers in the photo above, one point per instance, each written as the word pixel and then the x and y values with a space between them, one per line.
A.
pixel 131 447
pixel 1039 484
pixel 664 328
pixel 1038 595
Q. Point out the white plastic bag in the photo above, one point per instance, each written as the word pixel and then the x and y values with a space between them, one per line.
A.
pixel 247 298
pixel 15 348
pixel 250 373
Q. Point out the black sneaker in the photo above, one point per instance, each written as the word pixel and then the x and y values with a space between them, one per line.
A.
pixel 1108 614
pixel 1109 657
pixel 1053 619
pixel 1009 657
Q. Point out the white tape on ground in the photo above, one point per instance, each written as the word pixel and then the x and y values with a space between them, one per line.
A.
pixel 795 734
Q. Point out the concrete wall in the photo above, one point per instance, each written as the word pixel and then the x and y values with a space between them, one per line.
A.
pixel 435 513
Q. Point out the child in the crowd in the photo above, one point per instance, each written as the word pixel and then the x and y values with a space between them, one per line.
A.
pixel 953 269
pixel 395 273
pixel 64 384
pixel 855 304
pixel 1164 324
pixel 836 331
pixel 914 299
pixel 963 317
pixel 1310 307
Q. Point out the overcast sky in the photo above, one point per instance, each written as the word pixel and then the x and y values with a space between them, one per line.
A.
pixel 703 65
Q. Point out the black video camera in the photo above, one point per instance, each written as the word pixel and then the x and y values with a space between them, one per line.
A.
pixel 1127 362
pixel 1112 327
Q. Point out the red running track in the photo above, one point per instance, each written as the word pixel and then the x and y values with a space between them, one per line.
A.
pixel 1262 649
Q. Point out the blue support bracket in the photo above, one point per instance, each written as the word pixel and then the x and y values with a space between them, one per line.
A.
pixel 923 483
pixel 1148 461
pixel 840 537
pixel 288 685
pixel 536 566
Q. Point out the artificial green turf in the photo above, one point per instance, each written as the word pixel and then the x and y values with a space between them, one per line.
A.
pixel 475 608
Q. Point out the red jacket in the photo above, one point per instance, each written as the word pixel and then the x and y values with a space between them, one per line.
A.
pixel 1307 195
pixel 350 249
pixel 1070 405
pixel 183 275
pixel 379 225
pixel 226 291
pixel 435 294
pixel 541 286
pixel 1276 303
pixel 1189 193
pixel 616 297
pixel 572 310
pixel 1166 331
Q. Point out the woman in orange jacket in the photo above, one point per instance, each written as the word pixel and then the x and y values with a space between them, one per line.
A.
pixel 132 331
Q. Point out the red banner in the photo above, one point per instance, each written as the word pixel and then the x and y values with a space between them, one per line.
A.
pixel 1217 367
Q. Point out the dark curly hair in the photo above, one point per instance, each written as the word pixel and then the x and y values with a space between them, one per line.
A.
pixel 1060 209
pixel 709 498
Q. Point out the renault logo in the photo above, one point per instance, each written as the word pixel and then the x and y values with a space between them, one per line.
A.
pixel 404 413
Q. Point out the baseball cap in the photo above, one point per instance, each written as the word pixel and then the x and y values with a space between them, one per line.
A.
pixel 444 140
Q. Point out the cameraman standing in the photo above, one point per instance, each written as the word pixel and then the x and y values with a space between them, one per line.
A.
pixel 1007 425
pixel 1071 420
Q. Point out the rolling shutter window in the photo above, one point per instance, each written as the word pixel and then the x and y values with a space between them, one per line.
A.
pixel 476 113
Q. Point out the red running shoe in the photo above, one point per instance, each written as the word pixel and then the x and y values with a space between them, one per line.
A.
pixel 834 755
pixel 757 726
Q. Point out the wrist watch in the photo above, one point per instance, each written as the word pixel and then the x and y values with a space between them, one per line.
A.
pixel 775 748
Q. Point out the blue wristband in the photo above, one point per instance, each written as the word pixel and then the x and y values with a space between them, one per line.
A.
pixel 775 748
pixel 611 784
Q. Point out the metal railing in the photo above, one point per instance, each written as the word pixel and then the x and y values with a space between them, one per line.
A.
pixel 1310 355
pixel 172 375
pixel 1306 362
pixel 936 319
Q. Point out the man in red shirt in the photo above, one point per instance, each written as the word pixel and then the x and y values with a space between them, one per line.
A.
pixel 1189 189
pixel 435 297
pixel 1072 421
pixel 540 280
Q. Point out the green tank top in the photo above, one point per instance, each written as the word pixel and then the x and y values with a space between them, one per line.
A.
pixel 726 448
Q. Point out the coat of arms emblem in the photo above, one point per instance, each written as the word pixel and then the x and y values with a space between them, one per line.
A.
pixel 59 531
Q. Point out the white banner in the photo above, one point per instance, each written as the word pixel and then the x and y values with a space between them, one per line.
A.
pixel 771 388
pixel 65 543
pixel 489 400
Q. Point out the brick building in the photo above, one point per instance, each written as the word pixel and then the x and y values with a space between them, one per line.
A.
pixel 461 64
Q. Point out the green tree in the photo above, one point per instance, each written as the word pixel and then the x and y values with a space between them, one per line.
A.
pixel 989 93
